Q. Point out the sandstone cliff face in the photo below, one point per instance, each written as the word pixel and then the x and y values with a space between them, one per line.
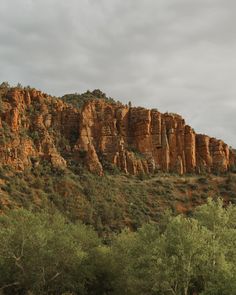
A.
pixel 35 126
pixel 140 140
pixel 31 126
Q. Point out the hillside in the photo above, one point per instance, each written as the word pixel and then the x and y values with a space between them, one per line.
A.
pixel 111 202
pixel 107 164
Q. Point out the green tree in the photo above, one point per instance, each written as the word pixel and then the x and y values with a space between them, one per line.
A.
pixel 44 254
pixel 122 258
pixel 183 251
pixel 219 271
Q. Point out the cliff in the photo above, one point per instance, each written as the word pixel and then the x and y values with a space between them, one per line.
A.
pixel 35 126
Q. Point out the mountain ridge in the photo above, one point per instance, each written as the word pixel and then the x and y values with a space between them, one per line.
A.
pixel 102 133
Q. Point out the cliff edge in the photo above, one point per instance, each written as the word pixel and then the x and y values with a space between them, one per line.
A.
pixel 35 126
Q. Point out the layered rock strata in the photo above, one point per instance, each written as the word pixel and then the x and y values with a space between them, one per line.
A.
pixel 35 126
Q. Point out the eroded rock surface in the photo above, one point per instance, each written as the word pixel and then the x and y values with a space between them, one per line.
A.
pixel 36 126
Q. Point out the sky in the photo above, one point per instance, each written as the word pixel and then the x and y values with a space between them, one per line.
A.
pixel 173 55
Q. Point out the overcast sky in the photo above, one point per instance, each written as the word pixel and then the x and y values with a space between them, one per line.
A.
pixel 175 55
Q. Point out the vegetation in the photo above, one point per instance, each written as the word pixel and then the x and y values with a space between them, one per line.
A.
pixel 44 253
pixel 67 231
pixel 78 100
pixel 116 202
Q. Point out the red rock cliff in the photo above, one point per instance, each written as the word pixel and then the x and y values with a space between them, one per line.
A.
pixel 35 126
pixel 31 127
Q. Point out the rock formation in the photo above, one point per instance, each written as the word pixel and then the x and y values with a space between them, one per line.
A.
pixel 31 127
pixel 35 127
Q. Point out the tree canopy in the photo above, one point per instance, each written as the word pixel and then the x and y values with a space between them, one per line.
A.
pixel 43 253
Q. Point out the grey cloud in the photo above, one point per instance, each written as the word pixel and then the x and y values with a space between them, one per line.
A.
pixel 175 55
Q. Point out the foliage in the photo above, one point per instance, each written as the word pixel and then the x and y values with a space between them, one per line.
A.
pixel 78 100
pixel 190 255
pixel 109 203
pixel 44 253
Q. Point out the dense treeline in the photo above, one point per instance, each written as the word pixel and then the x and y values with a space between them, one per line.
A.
pixel 42 253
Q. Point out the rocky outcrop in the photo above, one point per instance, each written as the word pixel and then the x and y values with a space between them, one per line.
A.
pixel 139 140
pixel 35 126
pixel 32 125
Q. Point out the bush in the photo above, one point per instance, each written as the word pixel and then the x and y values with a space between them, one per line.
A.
pixel 202 180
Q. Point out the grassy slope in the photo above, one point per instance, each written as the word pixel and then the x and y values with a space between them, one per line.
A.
pixel 110 202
